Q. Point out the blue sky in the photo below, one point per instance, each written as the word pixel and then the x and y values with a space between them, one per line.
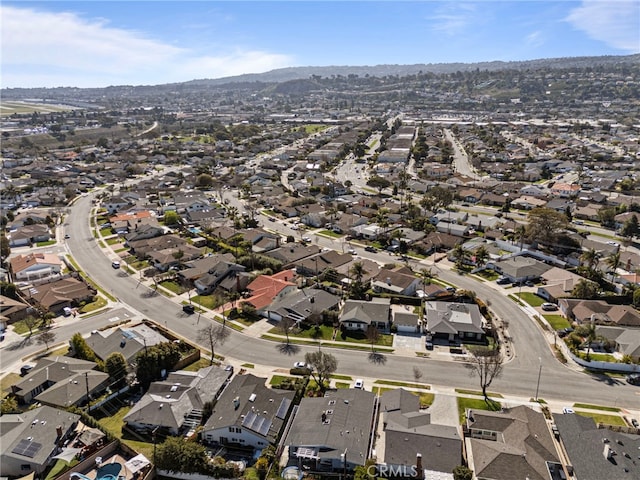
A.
pixel 96 44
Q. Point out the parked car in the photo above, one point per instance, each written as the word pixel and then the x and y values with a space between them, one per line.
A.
pixel 353 251
pixel 503 281
pixel 428 345
pixel 302 365
pixel 549 307
pixel 359 384
pixel 635 423
pixel 568 410
pixel 25 369
pixel 306 239
pixel 633 379
pixel 370 249
pixel 188 309
pixel 115 264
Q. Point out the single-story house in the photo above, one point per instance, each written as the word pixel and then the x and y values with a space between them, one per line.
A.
pixel 35 266
pixel 519 268
pixel 400 280
pixel 358 315
pixel 454 321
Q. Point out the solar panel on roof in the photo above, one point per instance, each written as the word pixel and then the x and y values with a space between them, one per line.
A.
pixel 257 423
pixel 128 334
pixel 27 448
pixel 283 408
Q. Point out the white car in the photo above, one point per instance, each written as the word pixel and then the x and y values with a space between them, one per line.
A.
pixel 359 384
pixel 568 410
pixel 352 251
pixel 301 365
pixel 549 306
pixel 115 264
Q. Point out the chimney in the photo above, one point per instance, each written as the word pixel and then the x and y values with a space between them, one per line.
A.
pixel 419 468
pixel 59 431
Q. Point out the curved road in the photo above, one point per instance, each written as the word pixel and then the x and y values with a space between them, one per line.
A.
pixel 519 378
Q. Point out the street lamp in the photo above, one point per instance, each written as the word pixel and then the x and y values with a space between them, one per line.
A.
pixel 539 375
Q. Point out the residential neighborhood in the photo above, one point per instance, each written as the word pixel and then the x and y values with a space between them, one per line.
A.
pixel 286 285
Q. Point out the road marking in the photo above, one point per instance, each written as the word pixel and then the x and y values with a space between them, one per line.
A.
pixel 114 319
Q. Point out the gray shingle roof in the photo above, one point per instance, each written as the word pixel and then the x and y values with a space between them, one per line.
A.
pixel 347 426
pixel 584 444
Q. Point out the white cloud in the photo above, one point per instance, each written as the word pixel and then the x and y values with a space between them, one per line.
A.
pixel 534 39
pixel 66 49
pixel 615 23
pixel 453 18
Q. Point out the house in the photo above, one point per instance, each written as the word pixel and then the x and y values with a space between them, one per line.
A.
pixel 143 232
pixel 227 275
pixel 291 253
pixel 128 341
pixel 166 258
pixel 116 204
pixel 32 438
pixel 195 269
pixel 67 292
pixel 626 340
pixel 596 453
pixel 399 280
pixel 266 289
pixel 599 312
pixel 12 310
pixel 528 202
pixel 454 321
pixel 175 404
pixel 558 283
pixel 29 235
pixel 410 437
pixel 358 315
pixel 248 414
pixel 141 248
pixel 34 266
pixel 313 266
pixel 61 382
pixel 565 190
pixel 404 320
pixel 301 305
pixel 519 268
pixel 332 433
pixel 453 229
pixel 514 443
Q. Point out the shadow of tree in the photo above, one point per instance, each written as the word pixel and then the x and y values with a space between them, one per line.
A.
pixel 377 358
pixel 287 348
pixel 20 344
pixel 604 378
pixel 149 294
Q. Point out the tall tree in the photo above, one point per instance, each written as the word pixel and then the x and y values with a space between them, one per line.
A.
pixel 590 258
pixel 487 364
pixel 545 224
pixel 212 335
pixel 613 262
pixel 585 289
pixel 116 366
pixel 324 364
pixel 372 335
pixel 482 255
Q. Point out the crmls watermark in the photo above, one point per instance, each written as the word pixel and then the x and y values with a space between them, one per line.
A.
pixel 393 471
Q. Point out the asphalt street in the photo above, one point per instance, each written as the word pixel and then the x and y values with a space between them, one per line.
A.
pixel 519 378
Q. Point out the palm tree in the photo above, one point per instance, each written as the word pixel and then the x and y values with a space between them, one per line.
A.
pixel 460 254
pixel 382 220
pixel 482 254
pixel 613 262
pixel 591 258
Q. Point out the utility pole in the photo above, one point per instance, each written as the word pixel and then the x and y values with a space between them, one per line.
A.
pixel 86 383
pixel 539 375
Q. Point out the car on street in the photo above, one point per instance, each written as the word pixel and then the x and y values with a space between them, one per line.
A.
pixel 635 423
pixel 370 249
pixel 352 251
pixel 189 309
pixel 568 410
pixel 549 307
pixel 115 264
pixel 306 239
pixel 302 365
pixel 359 384
pixel 67 235
pixel 428 345
pixel 633 379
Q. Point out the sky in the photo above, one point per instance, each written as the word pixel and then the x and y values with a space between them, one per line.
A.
pixel 101 43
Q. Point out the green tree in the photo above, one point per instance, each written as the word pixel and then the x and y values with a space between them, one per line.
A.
pixel 9 404
pixel 81 349
pixel 613 262
pixel 590 258
pixel 482 255
pixel 544 225
pixel 372 335
pixel 324 364
pixel 585 289
pixel 379 183
pixel 636 297
pixel 152 361
pixel 436 198
pixel 177 455
pixel 116 366
pixel 357 289
pixel 630 228
pixel 461 256
pixel 462 473
pixel 5 250
pixel 204 180
pixel 171 217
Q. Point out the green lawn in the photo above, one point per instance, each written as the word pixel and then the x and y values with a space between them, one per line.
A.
pixel 488 274
pixel 426 399
pixel 208 301
pixel 603 418
pixel 557 322
pixel 45 244
pixel 599 357
pixel 197 365
pixel 341 377
pixel 478 393
pixel 113 241
pixel 384 340
pixel 277 380
pixel 173 287
pixel 475 404
pixel 95 305
pixel 325 332
pixel 596 407
pixel 342 385
pixel 61 466
pixel 329 233
pixel 403 384
pixel 531 298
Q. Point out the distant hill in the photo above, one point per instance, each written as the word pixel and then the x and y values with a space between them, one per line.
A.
pixel 297 73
